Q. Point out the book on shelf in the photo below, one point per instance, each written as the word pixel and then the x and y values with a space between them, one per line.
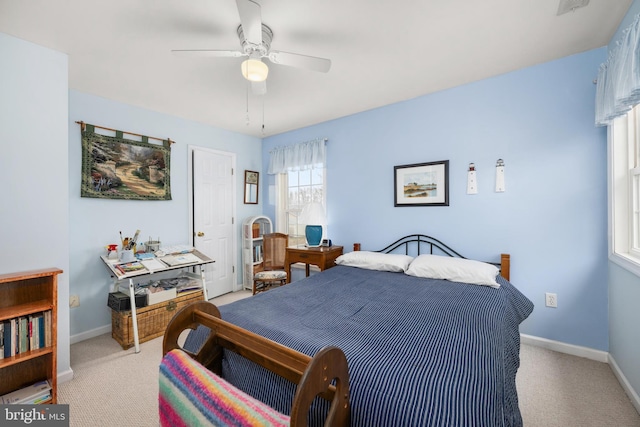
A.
pixel 32 344
pixel 25 333
pixel 34 393
pixel 42 332
pixel 257 253
pixel 7 338
pixel 14 336
pixel 47 329
pixel 36 331
pixel 39 399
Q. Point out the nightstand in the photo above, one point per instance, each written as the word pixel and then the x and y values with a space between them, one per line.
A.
pixel 324 257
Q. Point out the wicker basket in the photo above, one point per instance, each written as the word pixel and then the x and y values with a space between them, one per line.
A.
pixel 152 319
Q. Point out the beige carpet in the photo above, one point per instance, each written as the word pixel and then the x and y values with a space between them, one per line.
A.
pixel 113 387
pixel 559 390
pixel 116 387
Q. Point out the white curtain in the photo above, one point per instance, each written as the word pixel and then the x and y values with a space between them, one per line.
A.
pixel 297 157
pixel 618 89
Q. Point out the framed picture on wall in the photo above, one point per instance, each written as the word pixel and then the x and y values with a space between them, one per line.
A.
pixel 422 184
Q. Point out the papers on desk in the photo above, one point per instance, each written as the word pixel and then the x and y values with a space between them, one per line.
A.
pixel 173 260
pixel 129 267
pixel 152 264
pixel 176 249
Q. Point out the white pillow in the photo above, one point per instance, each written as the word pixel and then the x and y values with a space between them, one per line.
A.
pixel 454 270
pixel 375 261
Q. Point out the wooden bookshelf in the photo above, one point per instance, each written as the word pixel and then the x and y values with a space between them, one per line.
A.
pixel 21 295
pixel 253 228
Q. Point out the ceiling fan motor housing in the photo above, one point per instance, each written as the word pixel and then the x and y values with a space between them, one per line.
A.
pixel 263 48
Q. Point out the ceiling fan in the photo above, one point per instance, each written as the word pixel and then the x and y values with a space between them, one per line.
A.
pixel 255 41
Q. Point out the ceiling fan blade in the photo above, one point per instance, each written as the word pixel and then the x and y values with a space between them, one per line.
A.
pixel 208 53
pixel 300 61
pixel 259 88
pixel 251 20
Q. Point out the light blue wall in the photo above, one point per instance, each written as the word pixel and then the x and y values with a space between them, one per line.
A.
pixel 96 222
pixel 552 218
pixel 624 292
pixel 624 319
pixel 34 211
pixel 633 10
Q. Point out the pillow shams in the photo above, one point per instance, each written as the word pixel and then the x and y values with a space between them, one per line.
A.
pixel 375 261
pixel 454 269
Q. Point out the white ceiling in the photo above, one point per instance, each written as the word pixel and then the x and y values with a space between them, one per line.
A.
pixel 382 51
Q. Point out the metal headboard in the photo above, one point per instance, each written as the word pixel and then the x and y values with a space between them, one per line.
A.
pixel 420 242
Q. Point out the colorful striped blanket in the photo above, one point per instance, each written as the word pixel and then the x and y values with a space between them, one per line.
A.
pixel 191 395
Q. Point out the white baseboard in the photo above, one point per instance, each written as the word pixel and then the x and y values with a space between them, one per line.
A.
pixel 90 334
pixel 65 376
pixel 589 353
pixel 560 347
pixel 635 399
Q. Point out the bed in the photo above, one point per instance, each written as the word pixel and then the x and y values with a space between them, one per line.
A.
pixel 420 351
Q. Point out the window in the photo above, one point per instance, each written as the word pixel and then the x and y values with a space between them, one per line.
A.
pixel 624 190
pixel 295 190
pixel 300 179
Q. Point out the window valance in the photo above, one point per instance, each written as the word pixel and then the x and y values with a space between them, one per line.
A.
pixel 299 156
pixel 618 87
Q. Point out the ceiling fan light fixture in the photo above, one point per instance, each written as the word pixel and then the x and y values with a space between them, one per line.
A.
pixel 254 70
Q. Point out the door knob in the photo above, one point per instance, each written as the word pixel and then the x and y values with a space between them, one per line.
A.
pixel 200 234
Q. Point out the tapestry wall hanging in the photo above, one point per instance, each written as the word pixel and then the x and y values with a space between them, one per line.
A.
pixel 117 168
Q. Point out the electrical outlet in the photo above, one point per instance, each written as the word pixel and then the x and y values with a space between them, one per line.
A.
pixel 74 301
pixel 551 300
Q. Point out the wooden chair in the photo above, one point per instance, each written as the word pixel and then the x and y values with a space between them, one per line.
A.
pixel 273 254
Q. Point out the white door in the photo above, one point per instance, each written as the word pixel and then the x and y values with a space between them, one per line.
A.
pixel 213 204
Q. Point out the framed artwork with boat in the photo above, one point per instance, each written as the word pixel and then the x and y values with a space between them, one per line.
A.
pixel 422 184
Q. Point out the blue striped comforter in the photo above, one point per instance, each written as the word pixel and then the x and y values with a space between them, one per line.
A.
pixel 421 352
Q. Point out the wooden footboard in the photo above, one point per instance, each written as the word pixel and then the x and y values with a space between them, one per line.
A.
pixel 313 375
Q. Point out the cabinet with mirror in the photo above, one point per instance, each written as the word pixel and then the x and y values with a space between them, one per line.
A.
pixel 251 181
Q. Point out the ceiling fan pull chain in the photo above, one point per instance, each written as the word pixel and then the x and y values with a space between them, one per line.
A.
pixel 247 118
pixel 263 116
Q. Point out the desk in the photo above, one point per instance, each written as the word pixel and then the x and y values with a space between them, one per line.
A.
pixel 323 257
pixel 119 276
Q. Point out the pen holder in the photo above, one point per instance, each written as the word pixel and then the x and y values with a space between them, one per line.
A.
pixel 127 255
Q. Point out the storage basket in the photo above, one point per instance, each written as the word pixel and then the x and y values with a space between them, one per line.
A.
pixel 152 320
